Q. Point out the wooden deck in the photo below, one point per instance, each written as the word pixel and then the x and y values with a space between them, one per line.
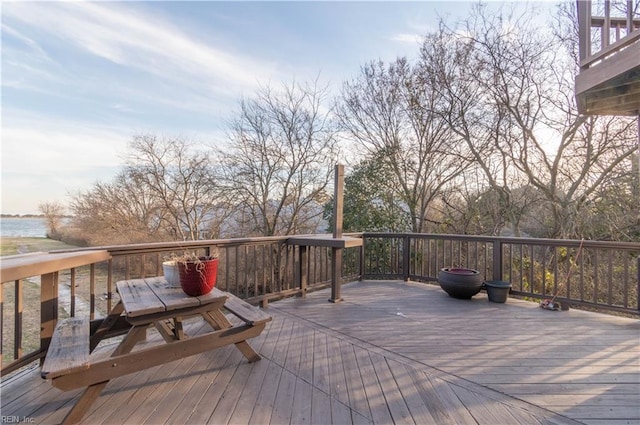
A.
pixel 391 352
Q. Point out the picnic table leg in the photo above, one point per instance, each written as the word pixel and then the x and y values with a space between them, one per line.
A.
pixel 178 329
pixel 166 329
pixel 106 325
pixel 86 400
pixel 171 330
pixel 137 333
pixel 217 320
pixel 93 391
pixel 248 351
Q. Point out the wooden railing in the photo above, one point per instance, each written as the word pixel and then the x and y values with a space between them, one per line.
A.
pixel 255 269
pixel 595 274
pixel 27 279
pixel 36 289
pixel 604 35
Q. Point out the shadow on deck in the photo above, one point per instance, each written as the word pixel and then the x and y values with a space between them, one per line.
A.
pixel 391 352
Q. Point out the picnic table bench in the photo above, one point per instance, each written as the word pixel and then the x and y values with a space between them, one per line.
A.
pixel 70 362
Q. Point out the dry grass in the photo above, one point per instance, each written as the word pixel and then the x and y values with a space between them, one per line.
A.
pixel 12 246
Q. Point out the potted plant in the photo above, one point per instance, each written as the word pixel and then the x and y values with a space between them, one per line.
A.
pixel 196 274
pixel 460 282
pixel 497 290
pixel 171 274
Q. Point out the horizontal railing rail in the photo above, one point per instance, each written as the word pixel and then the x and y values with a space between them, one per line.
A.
pixel 611 34
pixel 596 274
pixel 256 269
pixel 30 299
pixel 38 288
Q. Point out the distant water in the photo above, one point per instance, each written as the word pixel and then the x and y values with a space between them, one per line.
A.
pixel 23 227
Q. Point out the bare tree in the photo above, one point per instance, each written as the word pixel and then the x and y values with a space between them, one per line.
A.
pixel 514 108
pixel 120 211
pixel 53 213
pixel 166 191
pixel 593 153
pixel 180 177
pixel 280 160
pixel 488 75
pixel 390 112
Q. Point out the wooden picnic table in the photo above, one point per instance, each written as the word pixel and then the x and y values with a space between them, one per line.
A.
pixel 145 303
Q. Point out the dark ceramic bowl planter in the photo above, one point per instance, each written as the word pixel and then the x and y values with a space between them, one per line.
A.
pixel 497 290
pixel 198 277
pixel 460 282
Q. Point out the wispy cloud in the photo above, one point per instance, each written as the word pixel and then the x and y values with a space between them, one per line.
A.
pixel 36 142
pixel 408 38
pixel 31 141
pixel 45 159
pixel 135 37
pixel 7 29
pixel 26 65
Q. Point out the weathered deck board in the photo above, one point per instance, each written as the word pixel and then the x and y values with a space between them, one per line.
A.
pixel 140 387
pixel 355 386
pixel 375 397
pixel 337 374
pixel 211 397
pixel 441 400
pixel 283 403
pixel 396 404
pixel 509 347
pixel 301 409
pixel 18 385
pixel 230 398
pixel 391 352
pixel 420 412
pixel 320 408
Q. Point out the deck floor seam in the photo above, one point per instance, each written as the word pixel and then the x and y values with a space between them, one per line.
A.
pixel 450 378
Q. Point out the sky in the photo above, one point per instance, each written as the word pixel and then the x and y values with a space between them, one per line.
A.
pixel 81 79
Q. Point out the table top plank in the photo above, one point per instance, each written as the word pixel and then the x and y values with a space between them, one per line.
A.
pixel 142 297
pixel 138 298
pixel 212 296
pixel 172 298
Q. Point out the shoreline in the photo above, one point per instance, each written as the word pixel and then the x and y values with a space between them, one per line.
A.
pixel 12 245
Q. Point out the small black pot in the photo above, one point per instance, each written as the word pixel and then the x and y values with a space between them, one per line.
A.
pixel 459 282
pixel 497 290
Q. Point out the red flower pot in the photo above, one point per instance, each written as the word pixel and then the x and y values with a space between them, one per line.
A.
pixel 198 277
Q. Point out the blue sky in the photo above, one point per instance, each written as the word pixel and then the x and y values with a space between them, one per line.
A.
pixel 80 79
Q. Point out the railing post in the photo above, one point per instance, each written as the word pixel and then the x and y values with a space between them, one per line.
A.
pixel 336 275
pixel 362 259
pixel 584 28
pixel 606 27
pixel 406 247
pixel 336 253
pixel 110 285
pixel 303 258
pixel 1 327
pixel 18 308
pixel 48 309
pixel 497 260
